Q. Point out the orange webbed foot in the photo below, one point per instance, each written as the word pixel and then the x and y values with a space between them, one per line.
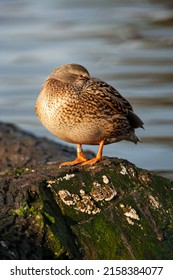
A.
pixel 97 158
pixel 80 158
pixel 74 162
pixel 92 161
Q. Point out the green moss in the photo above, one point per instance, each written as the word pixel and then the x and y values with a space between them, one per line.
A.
pixel 22 211
pixel 16 171
pixel 112 233
pixel 54 244
pixel 32 210
pixel 49 217
pixel 20 171
pixel 57 224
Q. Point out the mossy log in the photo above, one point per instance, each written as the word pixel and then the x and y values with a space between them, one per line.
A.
pixel 112 210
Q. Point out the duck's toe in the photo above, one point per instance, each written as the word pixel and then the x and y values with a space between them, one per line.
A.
pixel 92 161
pixel 80 159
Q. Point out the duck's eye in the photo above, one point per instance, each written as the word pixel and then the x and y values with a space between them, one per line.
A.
pixel 83 76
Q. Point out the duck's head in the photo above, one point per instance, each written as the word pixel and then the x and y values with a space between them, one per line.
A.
pixel 69 73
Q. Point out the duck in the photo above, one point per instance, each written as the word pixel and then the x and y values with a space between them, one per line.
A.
pixel 81 109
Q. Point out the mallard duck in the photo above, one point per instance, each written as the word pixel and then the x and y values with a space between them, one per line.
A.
pixel 81 109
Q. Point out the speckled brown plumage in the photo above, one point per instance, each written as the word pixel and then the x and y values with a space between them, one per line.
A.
pixel 81 109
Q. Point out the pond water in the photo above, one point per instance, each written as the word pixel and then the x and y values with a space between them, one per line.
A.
pixel 129 44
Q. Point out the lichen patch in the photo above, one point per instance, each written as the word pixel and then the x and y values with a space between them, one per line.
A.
pixel 83 202
pixel 68 198
pixel 105 179
pixel 130 221
pixel 154 202
pixel 123 170
pixel 132 172
pixel 50 182
pixel 144 177
pixel 87 205
pixel 131 213
pixel 66 177
pixel 100 193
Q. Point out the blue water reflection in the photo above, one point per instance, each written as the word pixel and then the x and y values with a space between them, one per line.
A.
pixel 127 43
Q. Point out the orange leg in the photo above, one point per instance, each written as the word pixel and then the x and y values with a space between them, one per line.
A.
pixel 98 156
pixel 80 157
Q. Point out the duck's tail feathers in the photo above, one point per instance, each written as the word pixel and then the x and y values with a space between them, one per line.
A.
pixel 134 120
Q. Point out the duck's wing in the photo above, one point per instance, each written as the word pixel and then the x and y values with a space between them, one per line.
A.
pixel 105 93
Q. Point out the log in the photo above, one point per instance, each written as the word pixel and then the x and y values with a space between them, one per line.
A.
pixel 113 210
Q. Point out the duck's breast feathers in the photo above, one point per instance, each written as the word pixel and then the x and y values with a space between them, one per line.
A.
pixel 105 93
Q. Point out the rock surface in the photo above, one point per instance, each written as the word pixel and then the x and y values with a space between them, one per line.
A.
pixel 112 210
